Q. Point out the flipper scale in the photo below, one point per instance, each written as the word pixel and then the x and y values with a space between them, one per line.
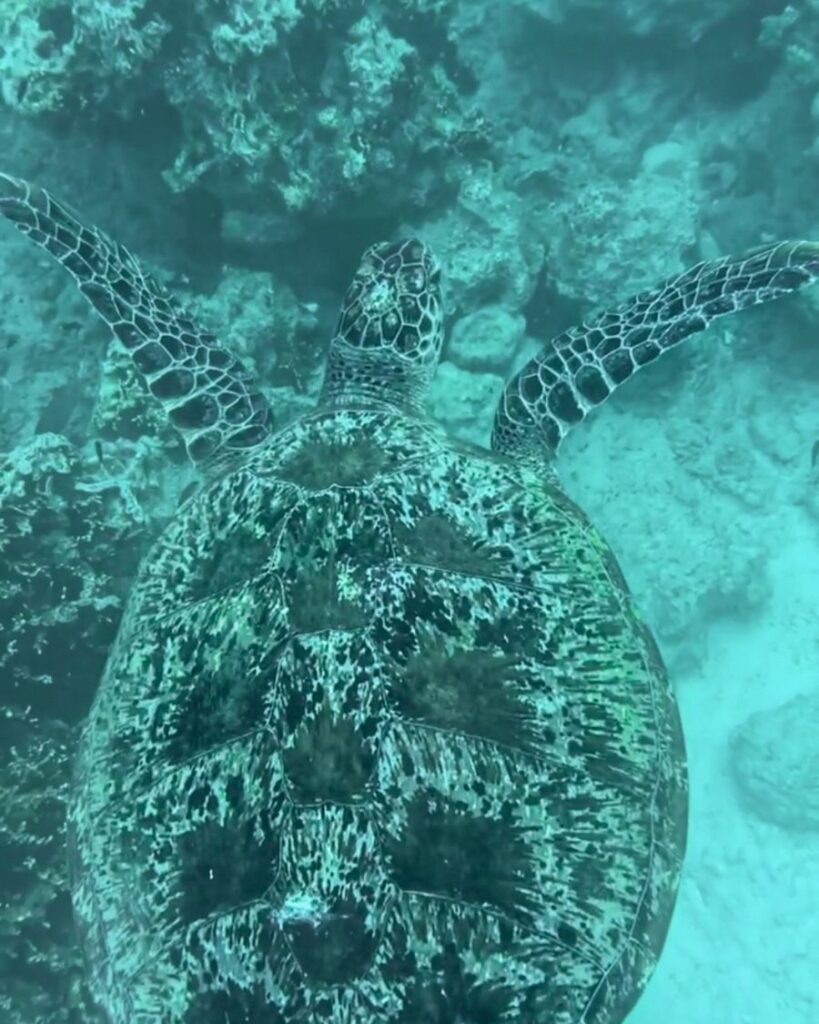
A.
pixel 580 368
pixel 215 412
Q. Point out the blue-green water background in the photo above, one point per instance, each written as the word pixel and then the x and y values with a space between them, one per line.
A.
pixel 559 155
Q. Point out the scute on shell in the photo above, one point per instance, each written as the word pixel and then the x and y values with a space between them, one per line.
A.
pixel 381 739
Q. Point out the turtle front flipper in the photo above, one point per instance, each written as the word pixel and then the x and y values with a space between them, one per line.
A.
pixel 210 398
pixel 580 368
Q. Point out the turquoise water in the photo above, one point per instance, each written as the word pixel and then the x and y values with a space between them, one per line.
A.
pixel 559 156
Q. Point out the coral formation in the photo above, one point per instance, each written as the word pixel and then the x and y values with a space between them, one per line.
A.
pixel 71 536
pixel 486 339
pixel 306 102
pixel 69 548
pixel 464 400
pixel 56 54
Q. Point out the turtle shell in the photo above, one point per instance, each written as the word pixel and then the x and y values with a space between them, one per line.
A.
pixel 381 739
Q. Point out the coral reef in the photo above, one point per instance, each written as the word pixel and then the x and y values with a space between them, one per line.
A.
pixel 794 32
pixel 311 103
pixel 63 534
pixel 280 340
pixel 71 535
pixel 56 54
pixel 486 241
pixel 604 222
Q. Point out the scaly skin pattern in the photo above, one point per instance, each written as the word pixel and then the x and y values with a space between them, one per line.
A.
pixel 211 400
pixel 381 739
pixel 390 330
pixel 579 369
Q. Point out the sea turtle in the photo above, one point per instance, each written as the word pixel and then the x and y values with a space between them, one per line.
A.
pixel 381 738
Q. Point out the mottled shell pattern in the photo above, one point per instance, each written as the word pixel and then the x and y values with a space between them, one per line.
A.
pixel 381 738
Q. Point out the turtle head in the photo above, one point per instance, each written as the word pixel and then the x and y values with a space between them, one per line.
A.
pixel 390 330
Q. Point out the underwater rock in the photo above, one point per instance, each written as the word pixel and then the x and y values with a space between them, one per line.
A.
pixel 705 564
pixel 49 49
pixel 464 402
pixel 124 407
pixel 487 339
pixel 775 763
pixel 486 242
pixel 794 32
pixel 601 223
pixel 259 319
